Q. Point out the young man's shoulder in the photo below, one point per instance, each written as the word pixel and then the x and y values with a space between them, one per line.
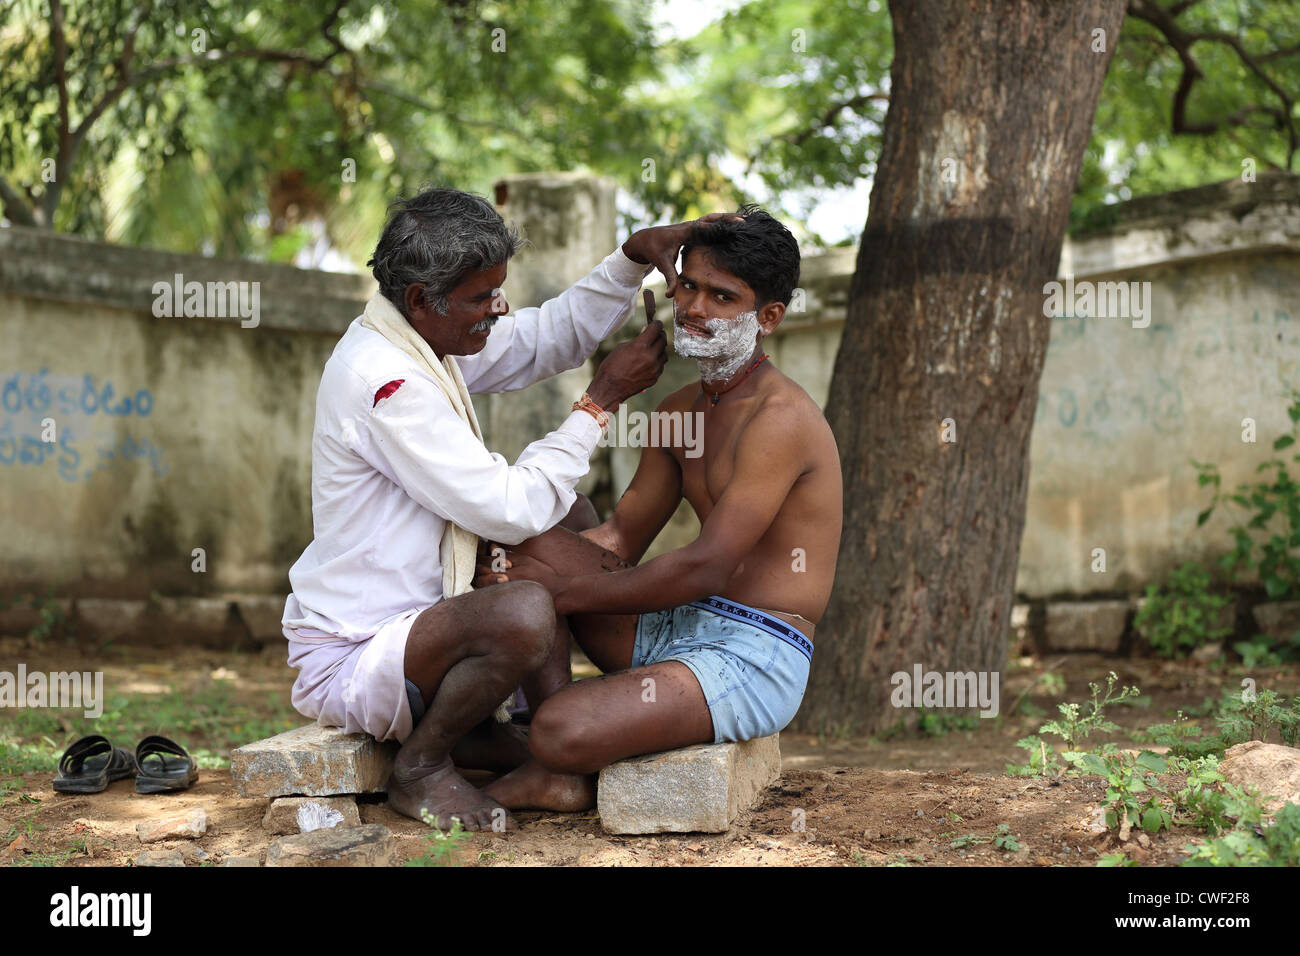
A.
pixel 785 403
pixel 680 400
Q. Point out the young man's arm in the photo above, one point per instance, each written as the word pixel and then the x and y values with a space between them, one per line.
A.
pixel 770 457
pixel 649 501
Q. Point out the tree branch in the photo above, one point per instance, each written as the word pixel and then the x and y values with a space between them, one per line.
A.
pixel 1181 41
pixel 17 208
pixel 325 27
pixel 62 160
pixel 70 140
pixel 829 117
pixel 1178 8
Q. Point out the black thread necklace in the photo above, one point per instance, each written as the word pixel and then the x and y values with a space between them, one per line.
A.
pixel 713 398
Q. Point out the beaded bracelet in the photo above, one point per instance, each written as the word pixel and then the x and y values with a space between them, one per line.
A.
pixel 586 404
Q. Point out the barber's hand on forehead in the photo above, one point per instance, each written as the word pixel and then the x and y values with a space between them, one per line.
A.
pixel 659 245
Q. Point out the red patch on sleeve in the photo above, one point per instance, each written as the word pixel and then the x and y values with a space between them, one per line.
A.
pixel 387 390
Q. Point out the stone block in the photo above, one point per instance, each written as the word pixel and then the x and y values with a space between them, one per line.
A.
pixel 1272 768
pixel 1086 625
pixel 160 858
pixel 184 826
pixel 368 845
pixel 240 861
pixel 1278 619
pixel 203 620
pixel 697 789
pixel 287 814
pixel 262 614
pixel 105 619
pixel 23 616
pixel 312 761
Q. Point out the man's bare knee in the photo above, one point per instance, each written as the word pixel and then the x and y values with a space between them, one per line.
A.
pixel 558 736
pixel 581 516
pixel 526 622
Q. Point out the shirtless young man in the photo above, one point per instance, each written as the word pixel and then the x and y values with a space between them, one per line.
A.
pixel 721 630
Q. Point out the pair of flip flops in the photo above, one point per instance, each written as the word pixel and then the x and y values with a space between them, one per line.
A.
pixel 158 764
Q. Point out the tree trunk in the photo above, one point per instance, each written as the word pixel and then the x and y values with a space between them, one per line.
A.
pixel 991 108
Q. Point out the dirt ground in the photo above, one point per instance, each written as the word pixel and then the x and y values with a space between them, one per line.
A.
pixel 907 799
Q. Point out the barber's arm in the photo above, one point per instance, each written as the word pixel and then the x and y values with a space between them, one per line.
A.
pixel 748 505
pixel 537 342
pixel 417 440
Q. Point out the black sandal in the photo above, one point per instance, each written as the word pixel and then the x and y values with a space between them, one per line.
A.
pixel 163 765
pixel 90 764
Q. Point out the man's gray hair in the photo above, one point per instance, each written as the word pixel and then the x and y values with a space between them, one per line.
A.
pixel 439 237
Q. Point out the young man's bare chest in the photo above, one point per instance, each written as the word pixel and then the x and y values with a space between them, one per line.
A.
pixel 706 475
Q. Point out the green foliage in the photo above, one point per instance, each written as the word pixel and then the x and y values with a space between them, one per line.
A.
pixel 1002 838
pixel 930 723
pixel 1134 150
pixel 1179 617
pixel 1050 683
pixel 1182 738
pixel 1074 729
pixel 1116 859
pixel 1263 651
pixel 1239 716
pixel 52 620
pixel 210 722
pixel 941 723
pixel 1133 794
pixel 229 147
pixel 1253 716
pixel 440 848
pixel 1042 759
pixel 1277 844
pixel 1232 815
pixel 1005 839
pixel 222 142
pixel 1273 508
pixel 1199 803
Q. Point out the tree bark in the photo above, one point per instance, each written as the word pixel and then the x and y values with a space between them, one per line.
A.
pixel 991 109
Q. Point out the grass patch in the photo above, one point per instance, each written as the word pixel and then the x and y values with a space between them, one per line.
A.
pixel 209 722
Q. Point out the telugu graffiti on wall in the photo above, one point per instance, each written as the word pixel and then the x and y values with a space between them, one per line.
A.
pixel 74 425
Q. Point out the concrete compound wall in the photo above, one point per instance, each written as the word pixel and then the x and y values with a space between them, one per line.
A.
pixel 180 433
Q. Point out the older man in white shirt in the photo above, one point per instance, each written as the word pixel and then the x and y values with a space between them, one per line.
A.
pixel 382 624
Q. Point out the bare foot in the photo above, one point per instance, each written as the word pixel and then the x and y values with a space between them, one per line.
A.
pixel 445 794
pixel 533 787
pixel 492 746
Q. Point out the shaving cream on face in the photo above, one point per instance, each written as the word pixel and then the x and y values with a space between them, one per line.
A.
pixel 721 355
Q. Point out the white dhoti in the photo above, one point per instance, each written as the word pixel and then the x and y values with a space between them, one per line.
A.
pixel 359 686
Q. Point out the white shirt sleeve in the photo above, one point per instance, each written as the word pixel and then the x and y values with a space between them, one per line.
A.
pixel 422 445
pixel 536 343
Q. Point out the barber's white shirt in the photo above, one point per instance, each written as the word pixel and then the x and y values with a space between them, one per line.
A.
pixel 388 474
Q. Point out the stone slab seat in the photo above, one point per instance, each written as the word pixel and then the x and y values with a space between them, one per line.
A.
pixel 700 789
pixel 312 761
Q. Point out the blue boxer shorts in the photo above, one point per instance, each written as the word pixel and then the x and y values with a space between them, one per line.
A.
pixel 752 667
